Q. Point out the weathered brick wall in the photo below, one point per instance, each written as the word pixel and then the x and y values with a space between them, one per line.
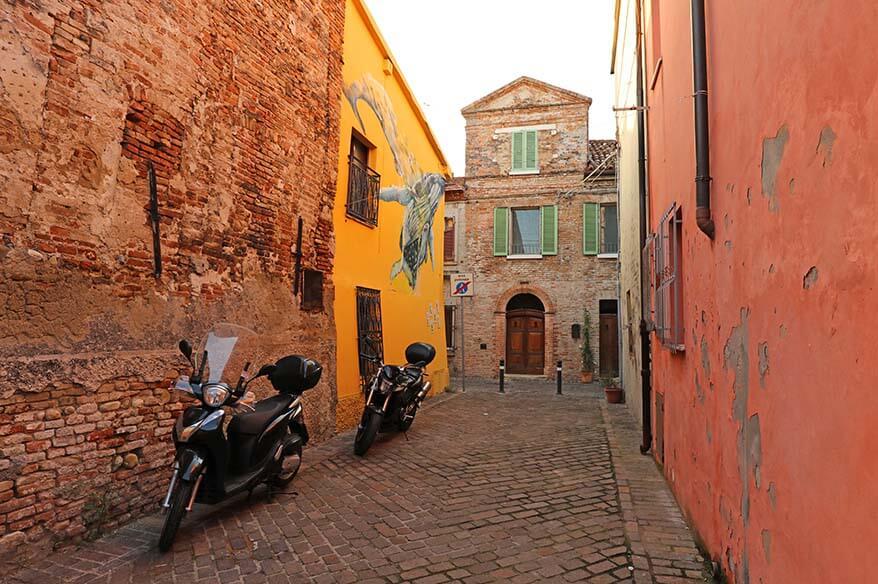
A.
pixel 237 107
pixel 567 282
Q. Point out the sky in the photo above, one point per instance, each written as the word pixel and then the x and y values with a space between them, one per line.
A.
pixel 453 52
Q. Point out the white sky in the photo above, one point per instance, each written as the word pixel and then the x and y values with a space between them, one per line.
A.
pixel 453 52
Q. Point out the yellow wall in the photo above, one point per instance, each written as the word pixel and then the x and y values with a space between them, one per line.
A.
pixel 364 256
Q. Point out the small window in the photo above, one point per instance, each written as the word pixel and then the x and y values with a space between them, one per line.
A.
pixel 449 326
pixel 525 233
pixel 524 151
pixel 609 229
pixel 669 280
pixel 450 242
pixel 312 290
pixel 600 229
pixel 363 184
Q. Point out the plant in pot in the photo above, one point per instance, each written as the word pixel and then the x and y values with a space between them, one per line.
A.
pixel 587 374
pixel 614 393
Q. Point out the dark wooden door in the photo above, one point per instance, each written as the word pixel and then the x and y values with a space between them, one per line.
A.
pixel 609 345
pixel 525 340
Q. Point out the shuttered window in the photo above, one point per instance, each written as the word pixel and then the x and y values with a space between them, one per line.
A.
pixel 549 223
pixel 590 228
pixel 501 231
pixel 524 151
pixel 450 234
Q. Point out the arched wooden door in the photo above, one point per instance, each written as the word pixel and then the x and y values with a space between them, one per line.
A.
pixel 525 341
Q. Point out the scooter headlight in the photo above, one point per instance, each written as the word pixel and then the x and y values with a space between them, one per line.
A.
pixel 215 395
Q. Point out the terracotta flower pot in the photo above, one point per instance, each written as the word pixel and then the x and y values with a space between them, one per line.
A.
pixel 615 395
pixel 586 376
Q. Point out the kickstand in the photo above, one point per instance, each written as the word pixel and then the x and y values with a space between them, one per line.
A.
pixel 406 434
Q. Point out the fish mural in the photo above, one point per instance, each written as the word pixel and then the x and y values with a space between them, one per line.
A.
pixel 421 192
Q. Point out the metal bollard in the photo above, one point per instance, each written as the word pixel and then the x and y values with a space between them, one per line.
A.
pixel 502 374
pixel 558 376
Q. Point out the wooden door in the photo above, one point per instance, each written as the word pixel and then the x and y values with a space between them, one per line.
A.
pixel 525 340
pixel 609 345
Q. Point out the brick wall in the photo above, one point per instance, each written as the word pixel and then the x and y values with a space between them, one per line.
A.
pixel 236 106
pixel 567 282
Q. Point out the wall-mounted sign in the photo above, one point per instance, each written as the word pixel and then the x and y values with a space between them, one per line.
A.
pixel 461 285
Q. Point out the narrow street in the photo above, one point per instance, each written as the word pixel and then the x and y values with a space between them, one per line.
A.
pixel 522 487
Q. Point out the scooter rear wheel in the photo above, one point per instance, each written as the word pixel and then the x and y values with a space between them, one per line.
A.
pixel 289 466
pixel 179 501
pixel 367 431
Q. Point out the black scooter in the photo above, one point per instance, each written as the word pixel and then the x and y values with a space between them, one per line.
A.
pixel 394 395
pixel 263 442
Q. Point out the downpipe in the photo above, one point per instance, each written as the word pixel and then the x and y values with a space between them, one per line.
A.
pixel 703 216
pixel 645 349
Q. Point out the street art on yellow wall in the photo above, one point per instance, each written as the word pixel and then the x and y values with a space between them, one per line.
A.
pixel 421 192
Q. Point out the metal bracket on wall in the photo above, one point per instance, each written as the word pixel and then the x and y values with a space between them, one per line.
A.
pixel 155 220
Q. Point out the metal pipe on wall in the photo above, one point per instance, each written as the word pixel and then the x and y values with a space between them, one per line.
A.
pixel 703 216
pixel 645 366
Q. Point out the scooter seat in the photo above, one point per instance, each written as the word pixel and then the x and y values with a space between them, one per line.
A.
pixel 258 420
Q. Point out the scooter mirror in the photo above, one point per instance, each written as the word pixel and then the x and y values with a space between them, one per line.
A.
pixel 186 349
pixel 266 370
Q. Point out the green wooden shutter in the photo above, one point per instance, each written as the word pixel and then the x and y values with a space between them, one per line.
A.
pixel 549 222
pixel 530 158
pixel 590 225
pixel 518 151
pixel 501 231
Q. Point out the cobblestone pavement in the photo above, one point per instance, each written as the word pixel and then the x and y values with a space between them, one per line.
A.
pixel 522 487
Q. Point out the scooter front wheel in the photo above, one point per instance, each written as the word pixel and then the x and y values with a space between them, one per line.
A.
pixel 179 501
pixel 367 430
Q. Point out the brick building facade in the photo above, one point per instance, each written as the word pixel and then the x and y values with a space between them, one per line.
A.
pixel 534 221
pixel 237 109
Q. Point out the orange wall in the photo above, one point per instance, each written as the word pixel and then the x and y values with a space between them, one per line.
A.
pixel 798 356
pixel 365 256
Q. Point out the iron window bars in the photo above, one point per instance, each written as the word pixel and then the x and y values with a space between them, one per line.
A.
pixel 370 340
pixel 364 185
pixel 668 280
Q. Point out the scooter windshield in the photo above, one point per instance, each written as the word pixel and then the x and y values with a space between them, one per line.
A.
pixel 230 349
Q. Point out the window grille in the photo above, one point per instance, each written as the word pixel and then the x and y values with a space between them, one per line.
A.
pixel 370 340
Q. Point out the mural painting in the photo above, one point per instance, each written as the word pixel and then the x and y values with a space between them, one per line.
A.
pixel 421 192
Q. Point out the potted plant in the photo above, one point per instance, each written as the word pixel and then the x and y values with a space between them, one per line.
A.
pixel 614 393
pixel 587 374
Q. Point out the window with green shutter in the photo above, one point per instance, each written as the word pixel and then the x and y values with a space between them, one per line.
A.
pixel 524 151
pixel 590 228
pixel 549 223
pixel 501 231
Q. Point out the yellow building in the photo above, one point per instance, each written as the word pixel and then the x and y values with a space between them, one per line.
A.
pixel 391 184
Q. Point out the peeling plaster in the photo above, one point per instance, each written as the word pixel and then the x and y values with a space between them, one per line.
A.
pixel 749 438
pixel 754 450
pixel 766 544
pixel 763 363
pixel 825 144
pixel 705 356
pixel 810 278
pixel 772 155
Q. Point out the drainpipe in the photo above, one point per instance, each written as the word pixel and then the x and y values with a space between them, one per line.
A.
pixel 645 355
pixel 702 130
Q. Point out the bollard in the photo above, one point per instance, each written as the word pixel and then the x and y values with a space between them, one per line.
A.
pixel 502 374
pixel 558 376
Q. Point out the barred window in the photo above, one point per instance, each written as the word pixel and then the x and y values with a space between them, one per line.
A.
pixel 364 184
pixel 370 340
pixel 669 280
